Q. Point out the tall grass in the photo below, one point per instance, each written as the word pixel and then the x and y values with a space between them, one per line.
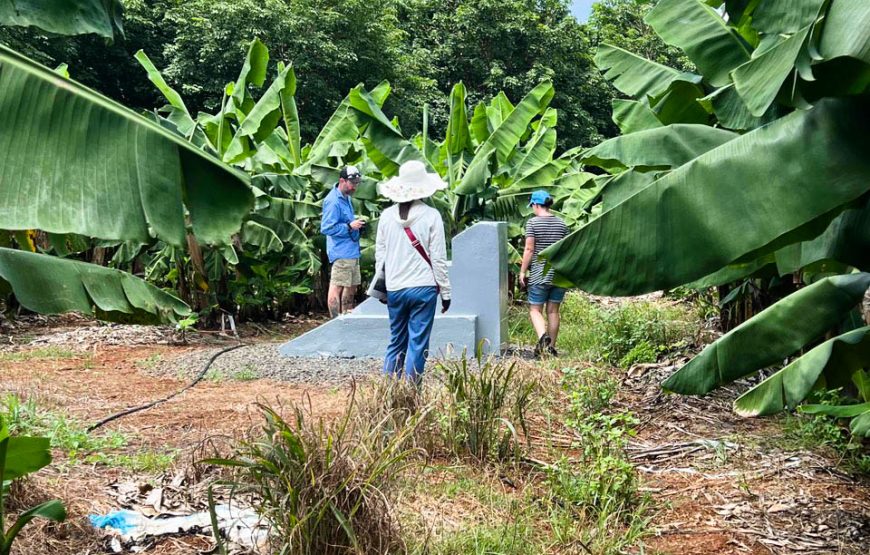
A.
pixel 480 410
pixel 325 487
pixel 621 335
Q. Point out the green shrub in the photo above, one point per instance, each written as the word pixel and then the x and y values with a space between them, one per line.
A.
pixel 326 488
pixel 620 335
pixel 589 389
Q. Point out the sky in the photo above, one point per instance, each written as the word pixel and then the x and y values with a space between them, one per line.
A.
pixel 581 9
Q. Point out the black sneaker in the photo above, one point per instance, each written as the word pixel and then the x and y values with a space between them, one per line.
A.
pixel 552 351
pixel 543 345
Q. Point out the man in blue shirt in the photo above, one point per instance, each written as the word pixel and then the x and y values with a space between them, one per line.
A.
pixel 342 230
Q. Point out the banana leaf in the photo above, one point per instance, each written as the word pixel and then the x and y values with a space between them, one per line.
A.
pixel 786 16
pixel 663 147
pixel 291 117
pixel 502 142
pixel 758 81
pixel 681 103
pixel 77 162
pixel 393 149
pixel 732 113
pixel 51 285
pixel 631 116
pixel 625 185
pixel 859 413
pixel 261 120
pixel 65 17
pixel 253 73
pixel 641 245
pixel 846 240
pixel 702 34
pixel 775 333
pixel 637 76
pixel 847 31
pixel 183 119
pixel 835 360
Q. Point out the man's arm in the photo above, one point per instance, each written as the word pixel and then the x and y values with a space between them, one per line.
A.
pixel 331 224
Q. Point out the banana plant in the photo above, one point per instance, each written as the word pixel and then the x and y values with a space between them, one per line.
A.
pixel 19 457
pixel 77 163
pixel 780 184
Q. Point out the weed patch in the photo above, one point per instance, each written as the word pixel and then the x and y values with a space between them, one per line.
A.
pixel 821 432
pixel 50 353
pixel 65 433
pixel 622 335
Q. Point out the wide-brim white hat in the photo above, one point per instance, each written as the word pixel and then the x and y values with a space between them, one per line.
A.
pixel 412 183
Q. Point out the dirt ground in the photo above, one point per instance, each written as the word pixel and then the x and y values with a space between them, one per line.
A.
pixel 721 484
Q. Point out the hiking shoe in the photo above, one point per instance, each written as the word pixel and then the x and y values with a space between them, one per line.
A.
pixel 552 351
pixel 542 346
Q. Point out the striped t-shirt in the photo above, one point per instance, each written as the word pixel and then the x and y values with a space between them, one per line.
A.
pixel 546 230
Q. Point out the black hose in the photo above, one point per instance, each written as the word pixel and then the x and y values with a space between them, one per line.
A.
pixel 196 380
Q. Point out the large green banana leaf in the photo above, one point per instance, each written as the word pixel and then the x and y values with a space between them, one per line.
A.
pixel 253 73
pixel 680 103
pixel 801 167
pixel 504 139
pixel 770 336
pixel 458 138
pixel 65 17
pixel 181 115
pixel 624 185
pixel 836 359
pixel 381 134
pixel 51 285
pixel 847 31
pixel 76 162
pixel 846 240
pixel 758 81
pixel 764 266
pixel 702 34
pixel 662 147
pixel 732 113
pixel 633 115
pixel 637 76
pixel 786 16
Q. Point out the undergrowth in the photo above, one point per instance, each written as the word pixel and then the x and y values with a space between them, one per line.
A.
pixel 622 335
pixel 67 434
pixel 822 432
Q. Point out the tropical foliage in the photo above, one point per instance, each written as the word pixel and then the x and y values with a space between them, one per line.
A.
pixel 758 160
pixel 77 164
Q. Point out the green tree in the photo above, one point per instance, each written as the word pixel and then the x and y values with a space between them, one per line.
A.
pixel 620 23
pixel 333 46
pixel 496 45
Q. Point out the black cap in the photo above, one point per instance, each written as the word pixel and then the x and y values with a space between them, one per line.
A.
pixel 351 173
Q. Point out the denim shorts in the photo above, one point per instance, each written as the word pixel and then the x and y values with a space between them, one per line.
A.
pixel 545 293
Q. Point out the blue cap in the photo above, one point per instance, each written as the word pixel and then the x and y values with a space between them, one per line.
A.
pixel 540 197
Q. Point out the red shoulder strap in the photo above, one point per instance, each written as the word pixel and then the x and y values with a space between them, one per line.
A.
pixel 419 248
pixel 416 244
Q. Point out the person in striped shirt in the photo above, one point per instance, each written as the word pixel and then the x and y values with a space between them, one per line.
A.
pixel 542 230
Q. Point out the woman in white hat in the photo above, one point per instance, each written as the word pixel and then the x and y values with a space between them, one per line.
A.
pixel 412 252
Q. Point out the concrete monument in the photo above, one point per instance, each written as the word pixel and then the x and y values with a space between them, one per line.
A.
pixel 477 315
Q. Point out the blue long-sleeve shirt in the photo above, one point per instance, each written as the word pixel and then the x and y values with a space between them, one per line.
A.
pixel 341 241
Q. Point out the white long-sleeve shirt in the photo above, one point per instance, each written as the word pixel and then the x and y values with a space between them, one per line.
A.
pixel 403 264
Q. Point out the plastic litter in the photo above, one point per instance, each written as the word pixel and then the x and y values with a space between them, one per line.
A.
pixel 243 527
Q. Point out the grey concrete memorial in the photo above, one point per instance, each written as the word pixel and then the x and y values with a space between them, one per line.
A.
pixel 477 315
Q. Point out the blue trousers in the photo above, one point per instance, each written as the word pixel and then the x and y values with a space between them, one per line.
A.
pixel 412 313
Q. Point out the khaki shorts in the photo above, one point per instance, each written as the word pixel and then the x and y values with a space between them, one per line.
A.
pixel 345 272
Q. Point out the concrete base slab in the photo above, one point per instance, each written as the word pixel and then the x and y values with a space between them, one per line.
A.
pixel 361 335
